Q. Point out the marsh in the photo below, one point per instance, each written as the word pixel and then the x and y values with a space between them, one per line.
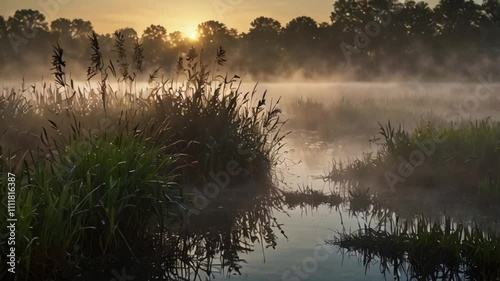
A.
pixel 285 152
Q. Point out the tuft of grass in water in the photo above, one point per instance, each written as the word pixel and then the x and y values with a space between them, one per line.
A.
pixel 306 196
pixel 359 198
pixel 426 250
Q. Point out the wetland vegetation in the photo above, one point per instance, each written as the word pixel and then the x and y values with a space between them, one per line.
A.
pixel 146 157
pixel 100 164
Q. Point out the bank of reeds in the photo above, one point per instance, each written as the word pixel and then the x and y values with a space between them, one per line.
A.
pixel 96 166
pixel 463 155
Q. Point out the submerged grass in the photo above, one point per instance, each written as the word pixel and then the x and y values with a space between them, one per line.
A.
pixel 360 198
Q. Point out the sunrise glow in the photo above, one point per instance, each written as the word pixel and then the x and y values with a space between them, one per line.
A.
pixel 193 35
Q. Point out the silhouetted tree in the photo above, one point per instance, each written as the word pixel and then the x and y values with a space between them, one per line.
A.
pixel 28 33
pixel 27 22
pixel 81 28
pixel 301 37
pixel 177 44
pixel 155 32
pixel 301 29
pixel 265 30
pixel 261 47
pixel 376 37
pixel 175 38
pixel 3 27
pixel 458 18
pixel 129 34
pixel 154 40
pixel 61 26
pixel 418 20
pixel 213 33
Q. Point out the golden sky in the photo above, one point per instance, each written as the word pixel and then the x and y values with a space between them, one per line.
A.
pixel 184 16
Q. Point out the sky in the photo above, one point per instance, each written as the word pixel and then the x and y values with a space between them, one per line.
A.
pixel 110 15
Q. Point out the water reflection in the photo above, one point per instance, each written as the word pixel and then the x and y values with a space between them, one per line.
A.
pixel 374 241
pixel 212 242
pixel 423 248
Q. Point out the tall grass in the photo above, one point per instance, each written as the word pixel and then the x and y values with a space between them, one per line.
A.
pixel 223 123
pixel 86 201
pixel 464 155
pixel 104 164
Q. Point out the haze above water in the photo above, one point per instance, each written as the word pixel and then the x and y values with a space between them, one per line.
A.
pixel 316 140
pixel 309 156
pixel 305 227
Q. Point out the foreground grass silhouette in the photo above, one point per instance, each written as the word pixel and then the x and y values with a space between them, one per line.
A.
pixel 98 170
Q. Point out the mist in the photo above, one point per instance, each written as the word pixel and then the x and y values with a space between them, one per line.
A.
pixel 364 147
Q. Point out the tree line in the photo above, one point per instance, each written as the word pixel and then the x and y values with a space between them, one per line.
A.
pixel 364 39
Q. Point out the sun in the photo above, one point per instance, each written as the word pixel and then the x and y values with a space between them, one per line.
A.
pixel 193 35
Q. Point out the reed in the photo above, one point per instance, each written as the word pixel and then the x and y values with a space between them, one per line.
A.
pixel 221 122
pixel 107 164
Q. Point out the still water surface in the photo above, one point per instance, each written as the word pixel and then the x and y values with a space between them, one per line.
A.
pixel 295 256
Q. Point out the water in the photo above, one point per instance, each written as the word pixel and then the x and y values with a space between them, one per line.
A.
pixel 229 243
pixel 301 253
pixel 307 229
pixel 303 243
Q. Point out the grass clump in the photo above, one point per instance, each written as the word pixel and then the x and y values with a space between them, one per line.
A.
pixel 106 171
pixel 467 153
pixel 306 196
pixel 222 123
pixel 88 198
pixel 359 198
pixel 426 250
